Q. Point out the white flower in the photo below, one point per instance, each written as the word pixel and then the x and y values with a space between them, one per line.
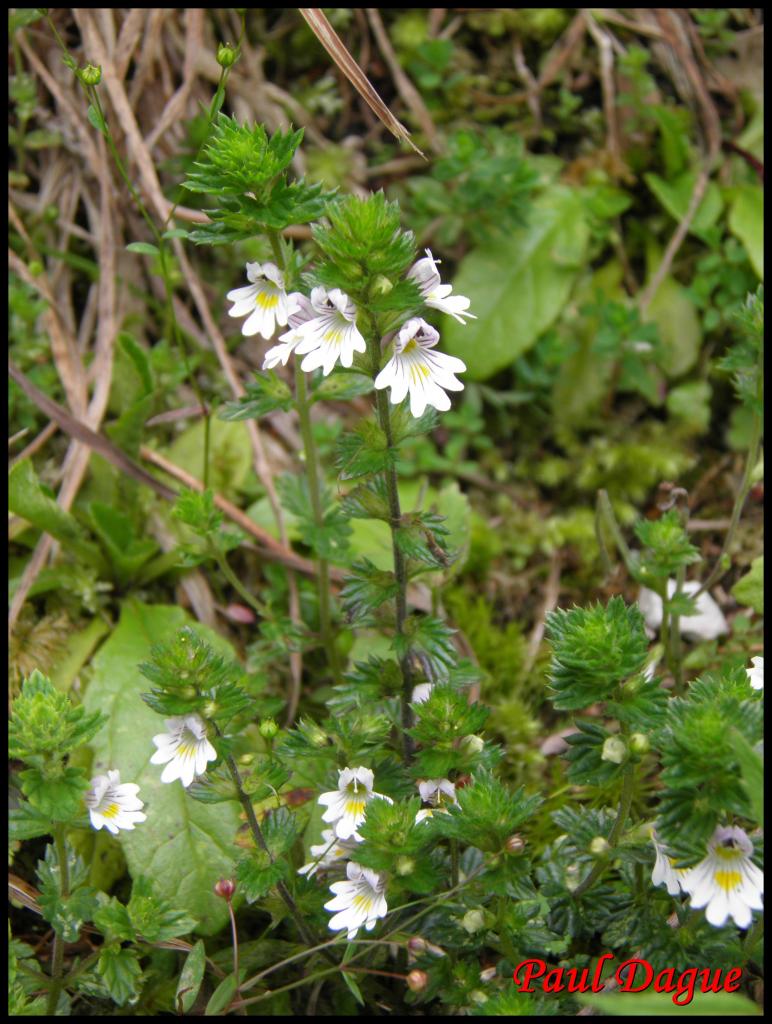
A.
pixel 664 871
pixel 421 693
pixel 328 852
pixel 435 792
pixel 414 367
pixel 359 901
pixel 303 311
pixel 184 749
pixel 435 294
pixel 332 334
pixel 707 624
pixel 727 882
pixel 346 804
pixel 112 804
pixel 756 673
pixel 264 299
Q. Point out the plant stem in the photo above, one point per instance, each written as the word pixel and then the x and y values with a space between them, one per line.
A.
pixel 236 583
pixel 257 835
pixel 625 801
pixel 314 489
pixel 235 937
pixel 454 863
pixel 58 955
pixel 400 568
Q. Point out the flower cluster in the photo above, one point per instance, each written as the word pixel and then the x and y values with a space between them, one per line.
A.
pixel 184 749
pixel 726 882
pixel 359 900
pixel 323 329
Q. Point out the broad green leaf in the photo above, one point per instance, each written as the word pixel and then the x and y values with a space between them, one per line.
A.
pixel 676 195
pixel 230 454
pixel 750 589
pixel 144 248
pixel 190 979
pixel 77 652
pixel 221 997
pixel 26 498
pixel 660 1004
pixel 184 846
pixel 519 286
pixel 746 222
pixel 676 318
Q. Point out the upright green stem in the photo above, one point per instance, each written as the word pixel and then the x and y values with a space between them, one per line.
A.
pixel 236 583
pixel 58 956
pixel 315 491
pixel 257 835
pixel 625 802
pixel 676 648
pixel 454 866
pixel 400 567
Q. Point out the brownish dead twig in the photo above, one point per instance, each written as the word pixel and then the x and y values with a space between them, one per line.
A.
pixel 603 42
pixel 331 41
pixel 405 87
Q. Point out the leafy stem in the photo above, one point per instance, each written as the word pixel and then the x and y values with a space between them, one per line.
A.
pixel 235 582
pixel 400 566
pixel 259 838
pixel 58 954
pixel 625 802
pixel 314 488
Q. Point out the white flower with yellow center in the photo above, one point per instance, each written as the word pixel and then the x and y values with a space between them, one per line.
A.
pixel 664 871
pixel 303 311
pixel 346 804
pixel 756 673
pixel 358 901
pixel 727 882
pixel 330 851
pixel 113 804
pixel 416 368
pixel 184 749
pixel 264 302
pixel 436 294
pixel 332 334
pixel 436 792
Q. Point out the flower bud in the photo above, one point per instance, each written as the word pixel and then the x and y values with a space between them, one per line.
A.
pixel 209 709
pixel 405 866
pixel 90 75
pixel 36 268
pixel 639 743
pixel 226 55
pixel 472 744
pixel 417 980
pixel 600 847
pixel 225 889
pixel 317 737
pixel 614 750
pixel 416 944
pixel 268 728
pixel 381 285
pixel 515 844
pixel 487 973
pixel 473 921
pixel 478 997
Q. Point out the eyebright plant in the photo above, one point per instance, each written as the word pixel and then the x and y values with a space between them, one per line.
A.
pixel 387 816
